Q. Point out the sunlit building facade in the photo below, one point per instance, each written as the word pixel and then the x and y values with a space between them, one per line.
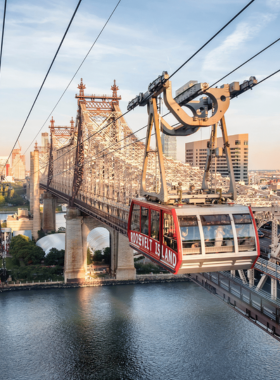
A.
pixel 196 154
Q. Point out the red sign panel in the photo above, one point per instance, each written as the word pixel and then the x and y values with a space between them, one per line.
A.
pixel 162 254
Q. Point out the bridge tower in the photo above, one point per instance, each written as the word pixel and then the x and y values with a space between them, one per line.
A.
pixel 103 110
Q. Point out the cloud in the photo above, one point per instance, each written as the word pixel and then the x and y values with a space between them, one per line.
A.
pixel 274 4
pixel 244 32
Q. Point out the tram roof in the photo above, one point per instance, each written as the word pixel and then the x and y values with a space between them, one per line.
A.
pixel 192 209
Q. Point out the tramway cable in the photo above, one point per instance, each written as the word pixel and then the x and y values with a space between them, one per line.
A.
pixel 3 30
pixel 74 75
pixel 207 42
pixel 171 75
pixel 40 89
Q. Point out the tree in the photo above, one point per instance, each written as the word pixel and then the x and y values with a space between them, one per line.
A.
pixel 107 255
pixel 24 251
pixel 2 200
pixel 55 257
pixel 98 255
pixel 89 257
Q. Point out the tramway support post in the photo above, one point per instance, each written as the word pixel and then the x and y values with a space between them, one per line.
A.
pixel 154 120
pixel 251 277
pixel 232 187
pixel 210 150
pixel 273 288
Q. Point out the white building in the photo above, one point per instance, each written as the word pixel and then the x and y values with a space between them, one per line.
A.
pixel 196 154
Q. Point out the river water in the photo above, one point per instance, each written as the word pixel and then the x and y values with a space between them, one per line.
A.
pixel 153 331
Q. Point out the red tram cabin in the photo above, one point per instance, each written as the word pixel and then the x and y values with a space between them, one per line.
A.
pixel 193 238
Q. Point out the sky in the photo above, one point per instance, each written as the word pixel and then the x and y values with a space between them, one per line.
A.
pixel 141 40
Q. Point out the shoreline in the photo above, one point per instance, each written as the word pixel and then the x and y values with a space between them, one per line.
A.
pixel 140 279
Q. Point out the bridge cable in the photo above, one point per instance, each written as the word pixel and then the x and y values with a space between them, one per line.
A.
pixel 3 30
pixel 89 137
pixel 200 92
pixel 73 77
pixel 215 35
pixel 243 9
pixel 61 42
pixel 269 76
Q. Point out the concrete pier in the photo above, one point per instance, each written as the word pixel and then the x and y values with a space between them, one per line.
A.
pixel 125 262
pixel 48 221
pixel 74 266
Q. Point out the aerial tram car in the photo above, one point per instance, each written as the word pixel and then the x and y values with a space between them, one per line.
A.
pixel 194 238
pixel 198 230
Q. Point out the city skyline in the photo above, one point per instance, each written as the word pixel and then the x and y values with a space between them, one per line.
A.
pixel 140 50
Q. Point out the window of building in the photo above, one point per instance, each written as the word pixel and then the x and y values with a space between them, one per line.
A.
pixel 169 233
pixel 218 233
pixel 135 218
pixel 155 225
pixel 190 235
pixel 145 221
pixel 245 142
pixel 237 142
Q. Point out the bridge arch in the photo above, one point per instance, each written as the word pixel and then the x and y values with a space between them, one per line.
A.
pixel 90 224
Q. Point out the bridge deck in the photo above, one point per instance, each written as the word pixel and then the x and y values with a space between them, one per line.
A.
pixel 110 220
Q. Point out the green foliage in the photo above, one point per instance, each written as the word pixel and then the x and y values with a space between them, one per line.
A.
pixel 41 234
pixel 55 257
pixel 89 257
pixel 2 200
pixel 147 268
pixel 97 256
pixel 25 251
pixel 36 273
pixel 107 255
pixel 15 199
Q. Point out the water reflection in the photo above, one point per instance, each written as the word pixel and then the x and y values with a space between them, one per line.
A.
pixel 164 331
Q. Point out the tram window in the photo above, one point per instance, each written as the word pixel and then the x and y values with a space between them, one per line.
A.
pixel 245 232
pixel 190 235
pixel 169 233
pixel 218 234
pixel 155 225
pixel 135 218
pixel 145 221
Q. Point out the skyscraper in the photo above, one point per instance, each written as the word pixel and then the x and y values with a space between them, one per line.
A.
pixel 196 154
pixel 18 164
pixel 169 146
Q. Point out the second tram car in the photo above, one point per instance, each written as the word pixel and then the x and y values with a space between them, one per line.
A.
pixel 193 238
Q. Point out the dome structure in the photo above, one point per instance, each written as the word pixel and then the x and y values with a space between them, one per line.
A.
pixel 98 239
pixel 52 241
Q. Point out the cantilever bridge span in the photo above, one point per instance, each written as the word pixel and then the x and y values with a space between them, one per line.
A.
pixel 95 165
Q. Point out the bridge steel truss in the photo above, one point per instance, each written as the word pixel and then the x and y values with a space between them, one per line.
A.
pixel 99 161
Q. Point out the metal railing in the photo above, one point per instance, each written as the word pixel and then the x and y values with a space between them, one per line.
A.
pixel 260 300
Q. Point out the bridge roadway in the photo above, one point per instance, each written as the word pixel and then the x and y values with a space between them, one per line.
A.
pixel 256 305
pixel 110 220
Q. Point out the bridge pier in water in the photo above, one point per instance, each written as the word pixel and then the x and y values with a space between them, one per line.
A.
pixel 74 262
pixel 77 230
pixel 48 222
